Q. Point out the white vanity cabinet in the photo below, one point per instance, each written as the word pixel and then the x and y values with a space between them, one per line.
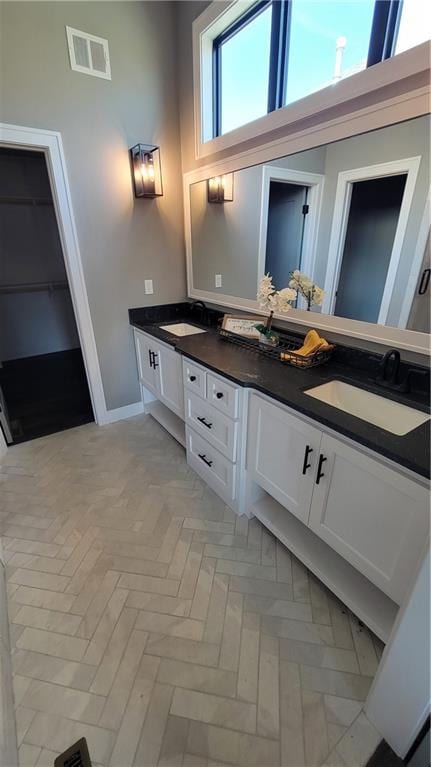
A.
pixel 169 378
pixel 282 451
pixel 160 371
pixel 372 515
pixel 213 429
pixel 144 346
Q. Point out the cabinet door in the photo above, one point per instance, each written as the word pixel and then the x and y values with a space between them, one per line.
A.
pixel 281 455
pixel 145 346
pixel 169 379
pixel 370 514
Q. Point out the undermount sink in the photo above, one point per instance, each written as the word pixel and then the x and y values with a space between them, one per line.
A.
pixel 389 415
pixel 182 329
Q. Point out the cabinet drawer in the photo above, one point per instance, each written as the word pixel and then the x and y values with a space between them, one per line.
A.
pixel 223 395
pixel 194 377
pixel 213 426
pixel 212 466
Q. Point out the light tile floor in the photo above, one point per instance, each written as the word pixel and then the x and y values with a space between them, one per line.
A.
pixel 150 619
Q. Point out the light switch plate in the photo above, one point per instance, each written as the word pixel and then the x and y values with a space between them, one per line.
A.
pixel 149 286
pixel 218 280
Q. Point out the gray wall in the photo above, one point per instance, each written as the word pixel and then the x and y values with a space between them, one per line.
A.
pixel 39 322
pixel 35 323
pixel 225 237
pixel 123 241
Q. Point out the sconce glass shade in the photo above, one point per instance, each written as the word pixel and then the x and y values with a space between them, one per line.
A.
pixel 220 188
pixel 147 170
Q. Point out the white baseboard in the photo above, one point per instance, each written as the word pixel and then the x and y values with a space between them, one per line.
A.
pixel 3 445
pixel 120 413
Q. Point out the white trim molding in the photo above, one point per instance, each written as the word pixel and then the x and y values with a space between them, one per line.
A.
pixel 50 143
pixel 322 105
pixel 345 181
pixel 315 183
pixel 121 413
pixel 3 445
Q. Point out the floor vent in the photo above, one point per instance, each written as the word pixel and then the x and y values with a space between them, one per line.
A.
pixel 75 756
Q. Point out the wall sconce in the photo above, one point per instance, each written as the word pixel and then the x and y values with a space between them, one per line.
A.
pixel 220 188
pixel 147 170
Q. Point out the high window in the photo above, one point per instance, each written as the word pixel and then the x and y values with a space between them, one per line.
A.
pixel 279 51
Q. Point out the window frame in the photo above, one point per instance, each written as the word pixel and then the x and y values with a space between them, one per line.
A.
pixel 277 55
pixel 321 107
pixel 383 34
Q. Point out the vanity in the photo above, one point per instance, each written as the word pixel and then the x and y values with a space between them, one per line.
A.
pixel 348 497
pixel 333 460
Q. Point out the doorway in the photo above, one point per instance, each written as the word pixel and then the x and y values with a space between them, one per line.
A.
pixel 287 210
pixel 372 222
pixel 43 382
pixel 291 203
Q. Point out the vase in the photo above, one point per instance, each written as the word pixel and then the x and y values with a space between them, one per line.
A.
pixel 270 340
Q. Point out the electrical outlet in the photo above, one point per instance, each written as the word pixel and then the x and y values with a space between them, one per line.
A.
pixel 218 281
pixel 149 286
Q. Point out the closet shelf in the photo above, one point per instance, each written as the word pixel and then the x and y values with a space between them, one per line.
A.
pixel 29 287
pixel 26 200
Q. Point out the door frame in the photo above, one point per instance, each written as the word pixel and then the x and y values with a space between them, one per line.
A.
pixel 315 183
pixel 423 234
pixel 346 179
pixel 50 143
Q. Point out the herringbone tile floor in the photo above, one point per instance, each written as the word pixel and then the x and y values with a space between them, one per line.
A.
pixel 149 618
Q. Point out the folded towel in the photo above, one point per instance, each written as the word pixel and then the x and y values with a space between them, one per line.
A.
pixel 312 344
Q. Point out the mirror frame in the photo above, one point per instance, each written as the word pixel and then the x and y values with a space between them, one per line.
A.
pixel 387 112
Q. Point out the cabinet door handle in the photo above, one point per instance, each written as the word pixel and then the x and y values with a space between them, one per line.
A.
pixel 205 460
pixel 425 281
pixel 149 355
pixel 306 465
pixel 320 473
pixel 204 422
pixel 155 364
pixel 192 378
pixel 219 394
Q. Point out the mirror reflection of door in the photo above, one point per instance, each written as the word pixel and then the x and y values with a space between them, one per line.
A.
pixel 372 223
pixel 287 210
pixel 419 318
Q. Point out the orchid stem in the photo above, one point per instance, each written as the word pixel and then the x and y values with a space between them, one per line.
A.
pixel 269 322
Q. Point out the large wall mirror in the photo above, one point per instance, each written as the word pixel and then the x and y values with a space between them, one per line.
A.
pixel 353 215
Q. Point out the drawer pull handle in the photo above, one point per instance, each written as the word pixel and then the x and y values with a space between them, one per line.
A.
pixel 205 459
pixel 219 394
pixel 306 465
pixel 204 422
pixel 192 378
pixel 320 473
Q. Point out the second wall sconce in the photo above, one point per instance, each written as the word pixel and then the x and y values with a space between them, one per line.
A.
pixel 147 170
pixel 220 188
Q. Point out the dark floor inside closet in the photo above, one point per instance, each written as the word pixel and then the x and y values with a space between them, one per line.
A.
pixel 46 394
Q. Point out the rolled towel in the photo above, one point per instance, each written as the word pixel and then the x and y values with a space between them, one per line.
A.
pixel 312 344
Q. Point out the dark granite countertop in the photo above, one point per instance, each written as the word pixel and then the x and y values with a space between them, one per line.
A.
pixel 288 384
